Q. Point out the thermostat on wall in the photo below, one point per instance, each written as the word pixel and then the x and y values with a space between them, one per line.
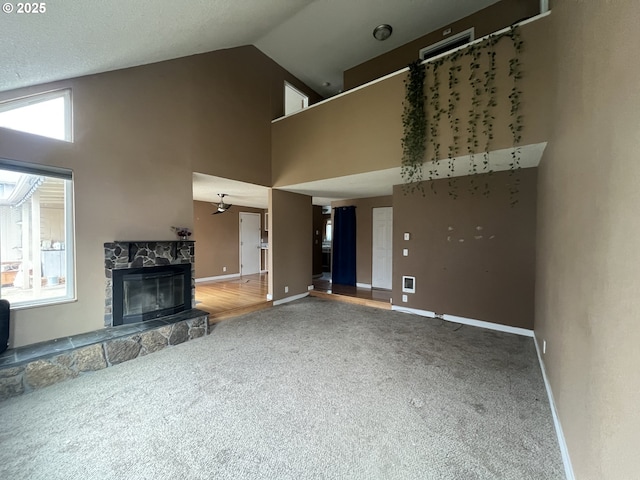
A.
pixel 408 284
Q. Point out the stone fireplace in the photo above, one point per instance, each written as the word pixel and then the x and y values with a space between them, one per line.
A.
pixel 146 280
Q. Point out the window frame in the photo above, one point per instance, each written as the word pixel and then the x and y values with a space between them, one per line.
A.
pixel 69 229
pixel 22 102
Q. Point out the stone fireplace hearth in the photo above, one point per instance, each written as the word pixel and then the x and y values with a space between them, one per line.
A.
pixel 136 256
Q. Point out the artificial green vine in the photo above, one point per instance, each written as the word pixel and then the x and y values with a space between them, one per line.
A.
pixel 515 72
pixel 474 114
pixel 454 122
pixel 487 114
pixel 484 100
pixel 434 124
pixel 414 122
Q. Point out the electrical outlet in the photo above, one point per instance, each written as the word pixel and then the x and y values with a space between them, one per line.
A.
pixel 405 298
pixel 407 236
pixel 405 252
pixel 224 269
pixel 544 347
pixel 286 289
pixel 309 287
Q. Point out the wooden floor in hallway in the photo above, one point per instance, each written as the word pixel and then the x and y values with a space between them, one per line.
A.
pixel 228 298
pixel 224 299
pixel 322 287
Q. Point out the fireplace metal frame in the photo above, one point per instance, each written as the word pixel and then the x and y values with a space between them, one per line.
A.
pixel 118 276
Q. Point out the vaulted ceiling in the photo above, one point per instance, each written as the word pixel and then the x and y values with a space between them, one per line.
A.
pixel 316 40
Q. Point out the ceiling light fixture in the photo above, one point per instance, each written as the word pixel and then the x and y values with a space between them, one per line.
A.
pixel 382 32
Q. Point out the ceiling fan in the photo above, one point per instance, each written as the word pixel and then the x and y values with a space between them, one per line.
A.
pixel 222 207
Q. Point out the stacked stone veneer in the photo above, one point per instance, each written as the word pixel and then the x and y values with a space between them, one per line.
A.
pixel 45 371
pixel 121 255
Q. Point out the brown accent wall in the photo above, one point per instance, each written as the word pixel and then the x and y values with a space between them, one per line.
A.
pixel 588 266
pixel 351 134
pixel 361 131
pixel 139 133
pixel 290 252
pixel 486 21
pixel 234 96
pixel 364 231
pixel 218 238
pixel 473 256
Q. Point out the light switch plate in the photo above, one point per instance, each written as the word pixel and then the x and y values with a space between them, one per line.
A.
pixel 407 236
pixel 405 298
pixel 405 252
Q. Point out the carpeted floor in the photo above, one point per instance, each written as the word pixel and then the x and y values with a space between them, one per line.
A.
pixel 308 390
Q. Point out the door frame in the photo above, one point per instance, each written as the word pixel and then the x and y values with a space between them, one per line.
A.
pixel 390 247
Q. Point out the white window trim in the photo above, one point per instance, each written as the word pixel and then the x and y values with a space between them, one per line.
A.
pixel 22 102
pixel 69 209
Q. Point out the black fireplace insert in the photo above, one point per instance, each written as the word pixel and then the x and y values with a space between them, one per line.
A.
pixel 146 293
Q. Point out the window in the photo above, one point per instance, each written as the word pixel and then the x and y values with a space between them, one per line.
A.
pixel 448 44
pixel 36 234
pixel 47 114
pixel 294 99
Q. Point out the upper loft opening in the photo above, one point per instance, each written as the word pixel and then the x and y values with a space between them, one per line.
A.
pixel 447 44
pixel 47 114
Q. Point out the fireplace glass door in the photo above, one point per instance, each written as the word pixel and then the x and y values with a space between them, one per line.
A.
pixel 145 293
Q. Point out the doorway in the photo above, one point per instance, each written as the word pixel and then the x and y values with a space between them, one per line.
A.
pixel 294 99
pixel 382 248
pixel 249 243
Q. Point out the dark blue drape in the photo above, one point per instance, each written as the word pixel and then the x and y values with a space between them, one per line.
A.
pixel 343 271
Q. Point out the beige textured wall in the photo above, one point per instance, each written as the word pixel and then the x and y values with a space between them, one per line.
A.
pixel 139 134
pixel 290 248
pixel 218 238
pixel 364 231
pixel 361 130
pixel 587 284
pixel 486 21
pixel 489 278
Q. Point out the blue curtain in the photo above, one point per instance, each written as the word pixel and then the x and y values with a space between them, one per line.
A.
pixel 343 271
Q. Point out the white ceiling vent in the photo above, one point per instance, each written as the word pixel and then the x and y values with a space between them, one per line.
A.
pixel 447 44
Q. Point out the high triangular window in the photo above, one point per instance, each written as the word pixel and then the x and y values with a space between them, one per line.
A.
pixel 47 114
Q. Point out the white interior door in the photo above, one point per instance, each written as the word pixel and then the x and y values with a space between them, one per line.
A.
pixel 382 246
pixel 249 243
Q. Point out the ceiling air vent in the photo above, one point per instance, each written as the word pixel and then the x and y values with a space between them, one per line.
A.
pixel 447 44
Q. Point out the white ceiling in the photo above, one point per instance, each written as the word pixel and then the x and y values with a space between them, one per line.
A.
pixel 316 40
pixel 207 187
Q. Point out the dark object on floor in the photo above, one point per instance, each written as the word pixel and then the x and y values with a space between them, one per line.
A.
pixel 4 325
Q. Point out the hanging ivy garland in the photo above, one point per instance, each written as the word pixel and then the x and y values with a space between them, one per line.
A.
pixel 414 122
pixel 483 101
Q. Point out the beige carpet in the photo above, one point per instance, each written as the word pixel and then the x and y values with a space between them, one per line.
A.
pixel 308 390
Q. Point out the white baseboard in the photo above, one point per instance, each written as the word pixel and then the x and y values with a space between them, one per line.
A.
pixel 219 277
pixel 364 285
pixel 466 321
pixel 290 299
pixel 564 451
